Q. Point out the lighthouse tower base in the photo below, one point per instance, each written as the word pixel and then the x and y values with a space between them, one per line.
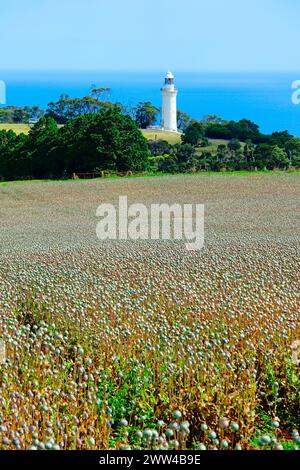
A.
pixel 170 130
pixel 162 130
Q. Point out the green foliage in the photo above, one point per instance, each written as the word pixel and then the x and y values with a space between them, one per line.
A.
pixel 39 149
pixel 108 140
pixel 145 114
pixel 11 158
pixel 241 130
pixel 181 159
pixel 279 138
pixel 230 157
pixel 292 148
pixel 185 154
pixel 270 157
pixel 169 165
pixel 183 120
pixel 67 108
pixel 98 135
pixel 16 114
pixel 234 145
pixel 204 142
pixel 159 147
pixel 193 133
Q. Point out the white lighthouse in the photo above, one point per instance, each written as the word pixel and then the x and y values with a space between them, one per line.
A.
pixel 169 106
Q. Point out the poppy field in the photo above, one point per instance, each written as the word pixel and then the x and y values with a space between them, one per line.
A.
pixel 143 344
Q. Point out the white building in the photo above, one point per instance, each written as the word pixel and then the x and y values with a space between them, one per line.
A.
pixel 169 106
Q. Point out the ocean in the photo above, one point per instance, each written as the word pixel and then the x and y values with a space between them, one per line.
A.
pixel 262 98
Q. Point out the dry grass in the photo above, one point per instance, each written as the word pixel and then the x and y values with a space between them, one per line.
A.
pixel 17 128
pixel 105 339
pixel 170 137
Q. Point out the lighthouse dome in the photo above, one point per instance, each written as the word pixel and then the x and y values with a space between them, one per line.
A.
pixel 169 78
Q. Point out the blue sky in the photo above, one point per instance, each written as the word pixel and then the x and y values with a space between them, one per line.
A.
pixel 202 35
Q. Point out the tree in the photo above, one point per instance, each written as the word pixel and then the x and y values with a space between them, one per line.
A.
pixel 193 133
pixel 183 120
pixel 35 112
pixel 204 142
pixel 292 148
pixel 159 147
pixel 146 114
pixel 212 118
pixel 249 149
pixel 185 154
pixel 215 164
pixel 280 138
pixel 242 130
pixel 58 110
pixel 107 140
pixel 217 130
pixel 279 158
pixel 100 93
pixel 222 152
pixel 18 114
pixel 169 165
pixel 40 148
pixel 7 144
pixel 67 108
pixel 5 115
pixel 270 157
pixel 12 165
pixel 233 145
